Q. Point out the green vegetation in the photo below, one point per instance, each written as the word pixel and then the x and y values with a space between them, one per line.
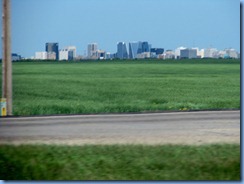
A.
pixel 125 86
pixel 124 162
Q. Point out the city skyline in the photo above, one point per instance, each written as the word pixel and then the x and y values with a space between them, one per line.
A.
pixel 136 50
pixel 124 50
pixel 164 23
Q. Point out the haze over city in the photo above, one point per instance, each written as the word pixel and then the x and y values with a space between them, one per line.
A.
pixel 166 24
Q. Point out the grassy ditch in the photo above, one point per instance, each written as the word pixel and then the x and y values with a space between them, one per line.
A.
pixel 42 88
pixel 120 162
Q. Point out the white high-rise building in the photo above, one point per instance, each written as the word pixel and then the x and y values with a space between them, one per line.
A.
pixel 91 50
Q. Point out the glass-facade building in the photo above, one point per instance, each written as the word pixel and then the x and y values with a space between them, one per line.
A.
pixel 53 47
pixel 138 48
pixel 133 49
pixel 122 51
pixel 145 47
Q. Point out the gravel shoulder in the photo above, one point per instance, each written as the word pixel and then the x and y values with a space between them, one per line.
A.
pixel 200 127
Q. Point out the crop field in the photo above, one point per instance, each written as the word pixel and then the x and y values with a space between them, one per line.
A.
pixel 120 162
pixel 44 88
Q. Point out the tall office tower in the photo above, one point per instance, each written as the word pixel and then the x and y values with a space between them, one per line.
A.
pixel 133 48
pixel 136 48
pixel 53 47
pixel 121 50
pixel 91 50
pixel 139 50
pixel 145 47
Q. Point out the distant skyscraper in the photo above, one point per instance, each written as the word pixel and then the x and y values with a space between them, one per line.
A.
pixel 145 47
pixel 91 50
pixel 122 51
pixel 133 48
pixel 136 48
pixel 53 47
pixel 139 50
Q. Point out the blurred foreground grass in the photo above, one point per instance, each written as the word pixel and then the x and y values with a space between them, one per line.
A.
pixel 120 162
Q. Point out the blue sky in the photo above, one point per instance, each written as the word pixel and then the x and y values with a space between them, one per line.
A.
pixel 163 23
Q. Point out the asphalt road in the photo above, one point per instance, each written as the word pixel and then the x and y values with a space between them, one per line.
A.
pixel 151 128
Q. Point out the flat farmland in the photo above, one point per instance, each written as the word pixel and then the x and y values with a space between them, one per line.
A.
pixel 88 87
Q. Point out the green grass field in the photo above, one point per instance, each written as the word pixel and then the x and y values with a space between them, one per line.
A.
pixel 125 162
pixel 124 86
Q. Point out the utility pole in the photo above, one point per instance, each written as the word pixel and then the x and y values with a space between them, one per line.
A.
pixel 6 61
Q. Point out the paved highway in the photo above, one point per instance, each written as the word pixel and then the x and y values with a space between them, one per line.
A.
pixel 197 127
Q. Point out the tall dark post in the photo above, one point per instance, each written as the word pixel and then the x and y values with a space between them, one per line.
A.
pixel 6 62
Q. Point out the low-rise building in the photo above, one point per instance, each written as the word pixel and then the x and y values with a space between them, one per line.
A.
pixel 64 54
pixel 168 54
pixel 68 53
pixel 143 55
pixel 209 53
pixel 232 53
pixel 177 52
pixel 155 52
pixel 41 55
pixel 15 57
pixel 51 55
pixel 100 54
pixel 188 53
